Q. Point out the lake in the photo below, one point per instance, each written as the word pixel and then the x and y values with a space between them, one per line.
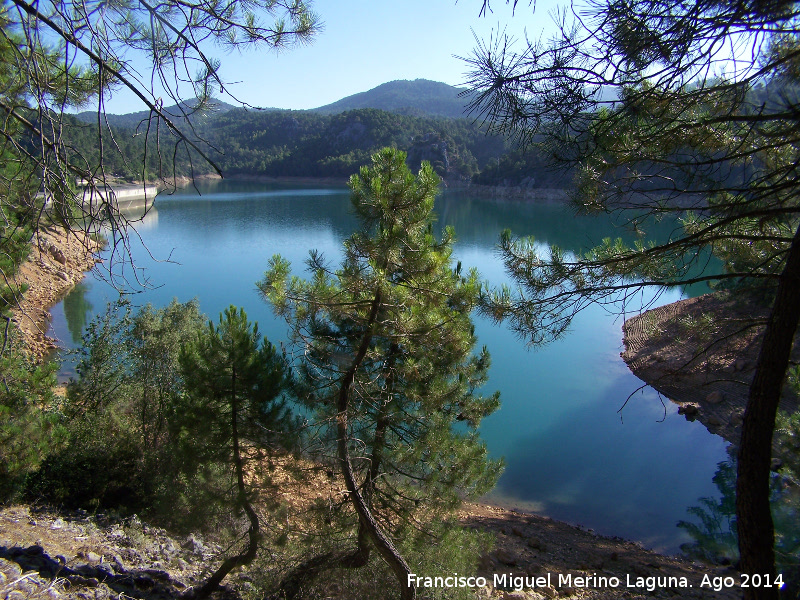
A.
pixel 570 453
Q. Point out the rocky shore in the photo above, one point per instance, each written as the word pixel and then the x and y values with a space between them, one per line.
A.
pixel 700 353
pixel 77 556
pixel 58 260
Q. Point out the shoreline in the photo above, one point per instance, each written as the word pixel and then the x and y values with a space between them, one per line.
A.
pixel 530 545
pixel 527 544
pixel 58 260
pixel 694 353
pixel 499 193
pixel 517 194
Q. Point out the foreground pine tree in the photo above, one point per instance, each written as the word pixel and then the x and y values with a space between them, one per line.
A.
pixel 386 366
pixel 232 412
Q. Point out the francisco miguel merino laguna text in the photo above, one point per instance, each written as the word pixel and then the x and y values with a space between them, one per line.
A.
pixel 509 580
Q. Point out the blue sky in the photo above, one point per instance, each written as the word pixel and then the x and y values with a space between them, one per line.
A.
pixel 365 43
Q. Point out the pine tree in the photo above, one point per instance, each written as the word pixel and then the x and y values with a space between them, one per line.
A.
pixel 387 365
pixel 170 416
pixel 233 412
pixel 30 423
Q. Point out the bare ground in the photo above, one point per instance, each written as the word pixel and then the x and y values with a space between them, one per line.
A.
pixel 53 555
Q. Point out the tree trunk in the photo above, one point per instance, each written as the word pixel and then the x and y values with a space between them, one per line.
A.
pixel 382 543
pixel 292 583
pixel 246 557
pixel 753 516
pixel 381 426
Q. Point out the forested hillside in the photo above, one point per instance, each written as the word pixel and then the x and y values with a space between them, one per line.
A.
pixel 332 141
pixel 424 118
pixel 178 113
pixel 296 143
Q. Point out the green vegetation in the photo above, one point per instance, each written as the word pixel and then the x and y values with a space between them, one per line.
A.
pixel 93 435
pixel 16 235
pixel 19 179
pixel 60 55
pixel 387 366
pixel 416 98
pixel 714 537
pixel 181 420
pixel 299 144
pixel 40 46
pixel 178 420
pixel 120 415
pixel 30 420
pixel 190 112
pixel 125 153
pixel 171 419
pixel 524 167
pixel 185 422
pixel 231 420
pixel 307 144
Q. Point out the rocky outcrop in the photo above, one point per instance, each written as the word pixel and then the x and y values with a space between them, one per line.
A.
pixel 433 148
pixel 78 556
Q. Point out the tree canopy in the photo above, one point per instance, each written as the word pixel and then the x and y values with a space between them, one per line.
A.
pixel 385 357
pixel 284 143
pixel 171 417
pixel 233 414
pixel 665 108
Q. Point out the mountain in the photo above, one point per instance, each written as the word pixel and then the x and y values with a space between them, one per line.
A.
pixel 310 144
pixel 176 111
pixel 419 117
pixel 418 98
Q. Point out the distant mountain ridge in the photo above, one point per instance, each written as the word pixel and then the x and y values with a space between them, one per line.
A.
pixel 420 97
pixel 176 111
pixel 423 118
pixel 417 98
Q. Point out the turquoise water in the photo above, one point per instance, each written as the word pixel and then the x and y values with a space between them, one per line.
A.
pixel 570 454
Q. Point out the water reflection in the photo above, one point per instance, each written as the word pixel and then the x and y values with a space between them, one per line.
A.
pixel 77 310
pixel 713 525
pixel 479 222
pixel 713 528
pixel 142 219
pixel 608 477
